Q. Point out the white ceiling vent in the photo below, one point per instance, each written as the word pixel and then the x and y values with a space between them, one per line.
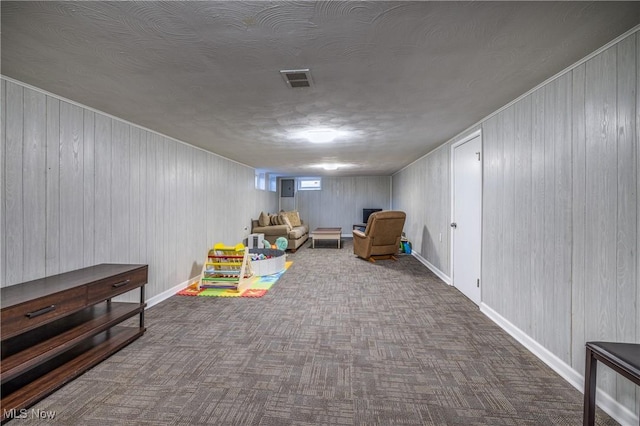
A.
pixel 297 78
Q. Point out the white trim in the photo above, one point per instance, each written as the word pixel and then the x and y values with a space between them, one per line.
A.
pixel 527 93
pixel 467 138
pixel 78 104
pixel 616 410
pixel 471 136
pixel 454 145
pixel 171 292
pixel 477 126
pixel 561 73
pixel 433 269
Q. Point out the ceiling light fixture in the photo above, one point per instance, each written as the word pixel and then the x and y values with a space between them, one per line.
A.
pixel 319 135
pixel 332 166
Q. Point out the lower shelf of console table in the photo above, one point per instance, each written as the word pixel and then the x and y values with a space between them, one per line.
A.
pixel 40 357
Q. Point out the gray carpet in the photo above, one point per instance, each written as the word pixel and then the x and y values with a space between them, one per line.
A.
pixel 337 341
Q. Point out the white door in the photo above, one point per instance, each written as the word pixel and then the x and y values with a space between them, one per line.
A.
pixel 466 215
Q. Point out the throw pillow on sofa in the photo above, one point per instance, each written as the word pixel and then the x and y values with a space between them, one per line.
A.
pixel 286 221
pixel 263 220
pixel 280 219
pixel 294 218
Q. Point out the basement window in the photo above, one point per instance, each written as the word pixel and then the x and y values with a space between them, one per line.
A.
pixel 309 184
pixel 273 183
pixel 260 181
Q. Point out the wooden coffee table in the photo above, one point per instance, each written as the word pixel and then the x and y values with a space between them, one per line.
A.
pixel 325 234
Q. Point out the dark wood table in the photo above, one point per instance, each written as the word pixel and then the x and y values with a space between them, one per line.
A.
pixel 623 358
pixel 55 328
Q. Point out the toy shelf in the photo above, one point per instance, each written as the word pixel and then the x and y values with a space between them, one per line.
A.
pixel 226 267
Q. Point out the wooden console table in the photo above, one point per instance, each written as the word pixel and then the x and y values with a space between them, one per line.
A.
pixel 56 328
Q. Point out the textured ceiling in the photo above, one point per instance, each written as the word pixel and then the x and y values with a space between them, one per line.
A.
pixel 401 77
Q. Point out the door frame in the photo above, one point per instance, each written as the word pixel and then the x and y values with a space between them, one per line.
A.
pixel 470 136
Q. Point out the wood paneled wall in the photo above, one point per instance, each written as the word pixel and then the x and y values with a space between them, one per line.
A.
pixel 560 234
pixel 80 188
pixel 527 226
pixel 341 200
pixel 422 192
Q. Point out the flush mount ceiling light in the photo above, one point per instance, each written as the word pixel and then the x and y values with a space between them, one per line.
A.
pixel 319 135
pixel 333 166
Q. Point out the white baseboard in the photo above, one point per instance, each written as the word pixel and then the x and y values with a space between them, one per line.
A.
pixel 171 292
pixel 444 277
pixel 618 412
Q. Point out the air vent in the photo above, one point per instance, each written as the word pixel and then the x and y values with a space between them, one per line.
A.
pixel 297 78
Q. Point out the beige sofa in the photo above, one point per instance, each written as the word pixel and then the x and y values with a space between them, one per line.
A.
pixel 295 235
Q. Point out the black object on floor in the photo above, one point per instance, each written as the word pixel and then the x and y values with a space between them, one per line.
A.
pixel 624 358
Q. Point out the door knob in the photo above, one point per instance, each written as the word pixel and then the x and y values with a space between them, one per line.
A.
pixel 454 225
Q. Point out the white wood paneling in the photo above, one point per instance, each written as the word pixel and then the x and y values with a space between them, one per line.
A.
pixel 445 200
pixel 14 225
pixel 132 191
pixel 161 217
pixel 120 177
pixel 341 200
pixel 561 229
pixel 102 209
pixel 136 199
pixel 52 249
pixel 209 199
pixel 80 187
pixel 143 195
pixel 579 191
pixel 3 154
pixel 200 185
pixel 71 187
pixel 491 209
pixel 34 195
pixel 601 203
pixel 438 211
pixel 508 209
pixel 549 280
pixel 184 174
pixel 537 213
pixel 522 216
pixel 626 256
pixel 561 307
pixel 170 209
pixel 637 247
pixel 422 191
pixel 88 176
pixel 153 211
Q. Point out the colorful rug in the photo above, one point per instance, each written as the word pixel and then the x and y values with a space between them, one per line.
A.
pixel 258 287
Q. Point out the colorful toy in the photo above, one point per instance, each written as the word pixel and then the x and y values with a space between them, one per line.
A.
pixel 282 243
pixel 226 267
pixel 267 261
